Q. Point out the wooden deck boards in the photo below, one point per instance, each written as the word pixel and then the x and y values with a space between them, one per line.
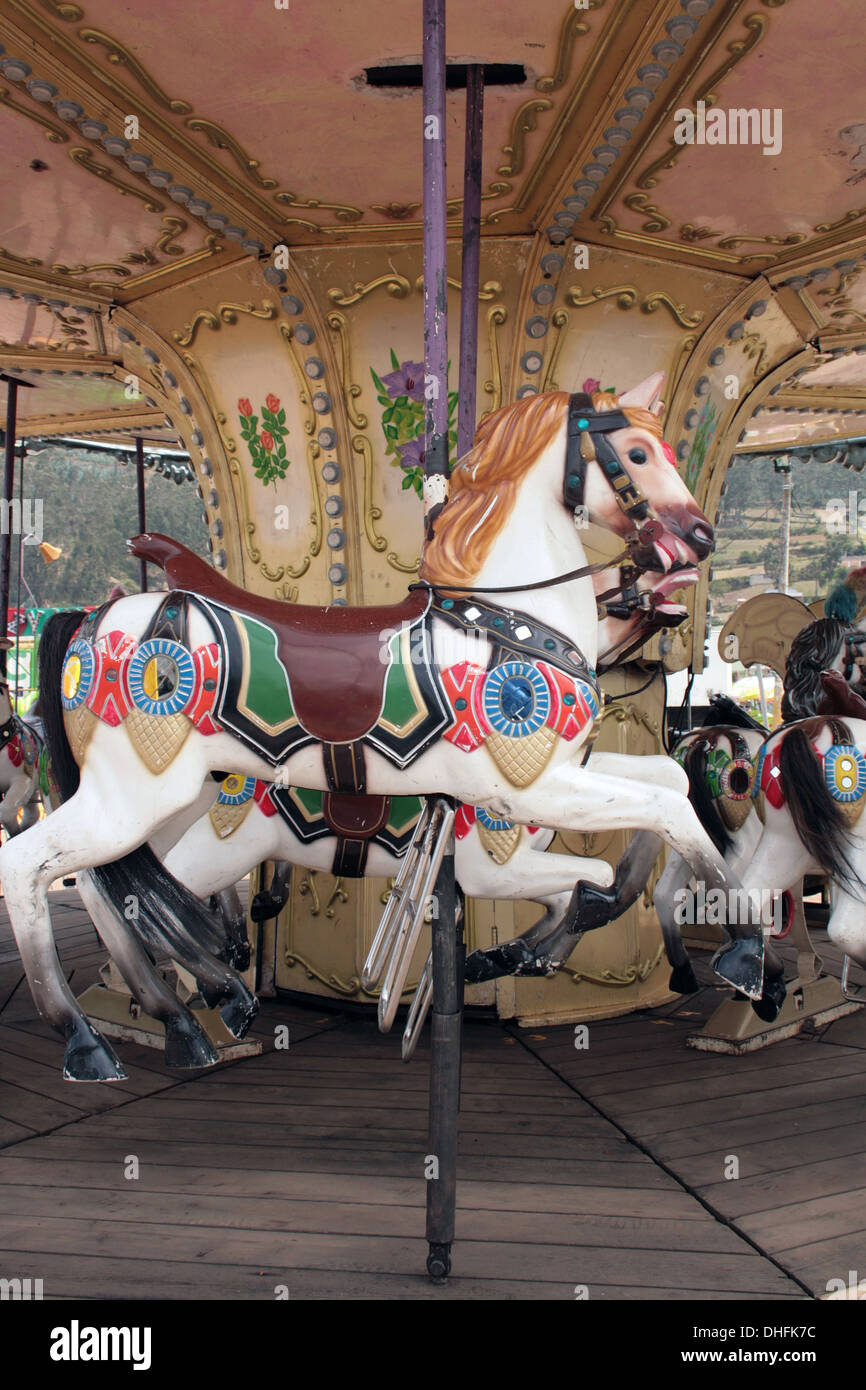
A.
pixel 602 1167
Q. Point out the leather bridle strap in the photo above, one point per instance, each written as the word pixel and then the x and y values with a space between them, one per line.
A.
pixel 587 441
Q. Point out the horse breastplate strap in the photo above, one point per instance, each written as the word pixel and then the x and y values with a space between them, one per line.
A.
pixel 517 633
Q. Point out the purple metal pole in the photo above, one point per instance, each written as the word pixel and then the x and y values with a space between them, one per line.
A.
pixel 142 505
pixel 470 266
pixel 435 267
pixel 8 493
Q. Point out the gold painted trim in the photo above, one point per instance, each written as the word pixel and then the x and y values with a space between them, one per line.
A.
pixel 222 140
pixel 559 319
pixel 631 975
pixel 303 394
pixel 56 134
pixel 118 55
pixel 338 324
pixel 84 159
pixel 523 124
pixel 628 296
pixel 573 28
pixel 396 285
pixel 397 564
pixel 344 212
pixel 71 13
pixel 348 988
pixel 226 313
pixel 372 513
pixel 496 316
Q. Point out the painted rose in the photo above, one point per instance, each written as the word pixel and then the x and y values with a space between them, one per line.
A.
pixel 267 441
pixel 591 385
pixel 244 406
pixel 407 380
pixel 273 403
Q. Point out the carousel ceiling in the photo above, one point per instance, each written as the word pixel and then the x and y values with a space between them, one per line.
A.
pixel 142 146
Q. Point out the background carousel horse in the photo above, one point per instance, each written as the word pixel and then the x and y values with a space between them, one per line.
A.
pixel 825 669
pixel 508 697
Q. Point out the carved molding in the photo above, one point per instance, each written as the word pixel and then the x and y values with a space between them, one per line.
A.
pixel 496 317
pixel 120 56
pixel 226 313
pixel 84 159
pixel 351 390
pixel 56 134
pixel 628 296
pixel 396 285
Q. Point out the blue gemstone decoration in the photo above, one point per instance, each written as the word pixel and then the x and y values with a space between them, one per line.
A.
pixel 583 423
pixel 174 700
pixel 568 699
pixel 515 699
pixel 447 603
pixel 550 644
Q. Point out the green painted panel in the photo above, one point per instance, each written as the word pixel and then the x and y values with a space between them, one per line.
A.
pixel 268 692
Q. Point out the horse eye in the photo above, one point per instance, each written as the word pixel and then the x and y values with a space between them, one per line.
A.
pixel 637 455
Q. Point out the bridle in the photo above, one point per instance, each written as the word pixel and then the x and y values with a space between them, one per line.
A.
pixel 587 442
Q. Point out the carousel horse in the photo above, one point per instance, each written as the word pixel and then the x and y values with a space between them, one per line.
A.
pixel 824 673
pixel 20 744
pixel 444 692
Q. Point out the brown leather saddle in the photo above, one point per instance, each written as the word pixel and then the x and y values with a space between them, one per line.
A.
pixel 333 655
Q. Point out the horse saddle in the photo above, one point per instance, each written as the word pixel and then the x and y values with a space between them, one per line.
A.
pixel 839 698
pixel 337 658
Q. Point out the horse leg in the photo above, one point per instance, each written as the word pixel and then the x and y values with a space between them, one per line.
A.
pixel 186 1043
pixel 269 902
pixel 235 923
pixel 674 880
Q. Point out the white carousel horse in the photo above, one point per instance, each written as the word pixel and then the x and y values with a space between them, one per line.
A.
pixel 19 770
pixel 253 684
pixel 825 663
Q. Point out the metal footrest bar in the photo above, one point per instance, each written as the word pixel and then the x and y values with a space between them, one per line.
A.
pixel 383 941
pixel 855 993
pixel 418 1010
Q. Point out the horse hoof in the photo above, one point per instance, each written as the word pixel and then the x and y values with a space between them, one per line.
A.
pixel 512 958
pixel 238 1013
pixel 263 907
pixel 768 1006
pixel 592 907
pixel 741 965
pixel 683 979
pixel 91 1059
pixel 187 1045
pixel 239 955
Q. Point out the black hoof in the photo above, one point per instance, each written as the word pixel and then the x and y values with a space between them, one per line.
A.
pixel 683 979
pixel 741 965
pixel 239 955
pixel 263 907
pixel 592 907
pixel 439 1262
pixel 513 958
pixel 238 1012
pixel 187 1045
pixel 768 1006
pixel 89 1058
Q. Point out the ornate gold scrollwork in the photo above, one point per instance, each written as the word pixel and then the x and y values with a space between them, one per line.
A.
pixel 573 27
pixel 226 313
pixel 221 140
pixel 403 566
pixel 396 285
pixel 120 56
pixel 351 390
pixel 303 393
pixel 308 886
pixel 627 296
pixel 755 349
pixel 656 220
pixel 398 212
pixel 56 134
pixel 71 13
pixel 853 216
pixel 496 316
pixel 631 975
pixel 489 290
pixel 524 122
pixel 559 319
pixel 372 513
pixel 85 160
pixel 344 212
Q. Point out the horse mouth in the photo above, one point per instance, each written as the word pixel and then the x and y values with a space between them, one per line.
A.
pixel 673 553
pixel 679 576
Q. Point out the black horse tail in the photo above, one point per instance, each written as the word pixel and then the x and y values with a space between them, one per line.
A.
pixel 818 819
pixel 695 763
pixel 166 915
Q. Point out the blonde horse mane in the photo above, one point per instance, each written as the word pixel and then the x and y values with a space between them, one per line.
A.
pixel 485 483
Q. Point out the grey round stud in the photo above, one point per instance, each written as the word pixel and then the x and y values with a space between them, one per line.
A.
pixel 532 361
pixel 757 309
pixel 197 438
pixel 845 266
pixel 15 69
pixel 198 207
pixel 584 188
pixel 332 472
pixel 219 559
pixel 291 304
pixel 213 498
pixel 91 129
pixel 149 355
pixel 691 419
pixel 702 386
pixel 115 145
pixel 527 390
pixel 736 331
pixel 321 403
pixel 32 298
pixel 606 154
pixel 821 275
pixel 617 135
pixel 552 263
pixel 305 333
pixel 536 327
pixel 125 336
pixel 716 357
pixel 640 97
pixel 272 273
pixel 336 538
pixel 68 110
pixel 253 248
pixel 233 233
pixel 652 74
pixel 338 574
pixel 697 8
pixel 628 116
pixel 328 438
pixel 217 528
pixel 40 90
pixel 179 193
pixel 207 467
pixel 544 294
pixel 339 603
pixel 216 221
pixel 315 368
pixel 595 172
pixel 160 178
pixel 565 219
pixel 136 161
pixel 797 282
pixel 683 450
pixel 334 506
pixel 575 203
pixel 170 379
pixel 667 51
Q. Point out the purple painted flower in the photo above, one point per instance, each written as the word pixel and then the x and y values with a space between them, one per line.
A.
pixel 590 385
pixel 412 454
pixel 408 380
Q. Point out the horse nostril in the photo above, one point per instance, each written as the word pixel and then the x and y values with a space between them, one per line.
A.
pixel 702 538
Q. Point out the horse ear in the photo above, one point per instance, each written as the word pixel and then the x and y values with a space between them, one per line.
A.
pixel 647 395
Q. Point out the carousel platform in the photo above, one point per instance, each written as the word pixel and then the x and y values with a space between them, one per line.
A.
pixel 604 1167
